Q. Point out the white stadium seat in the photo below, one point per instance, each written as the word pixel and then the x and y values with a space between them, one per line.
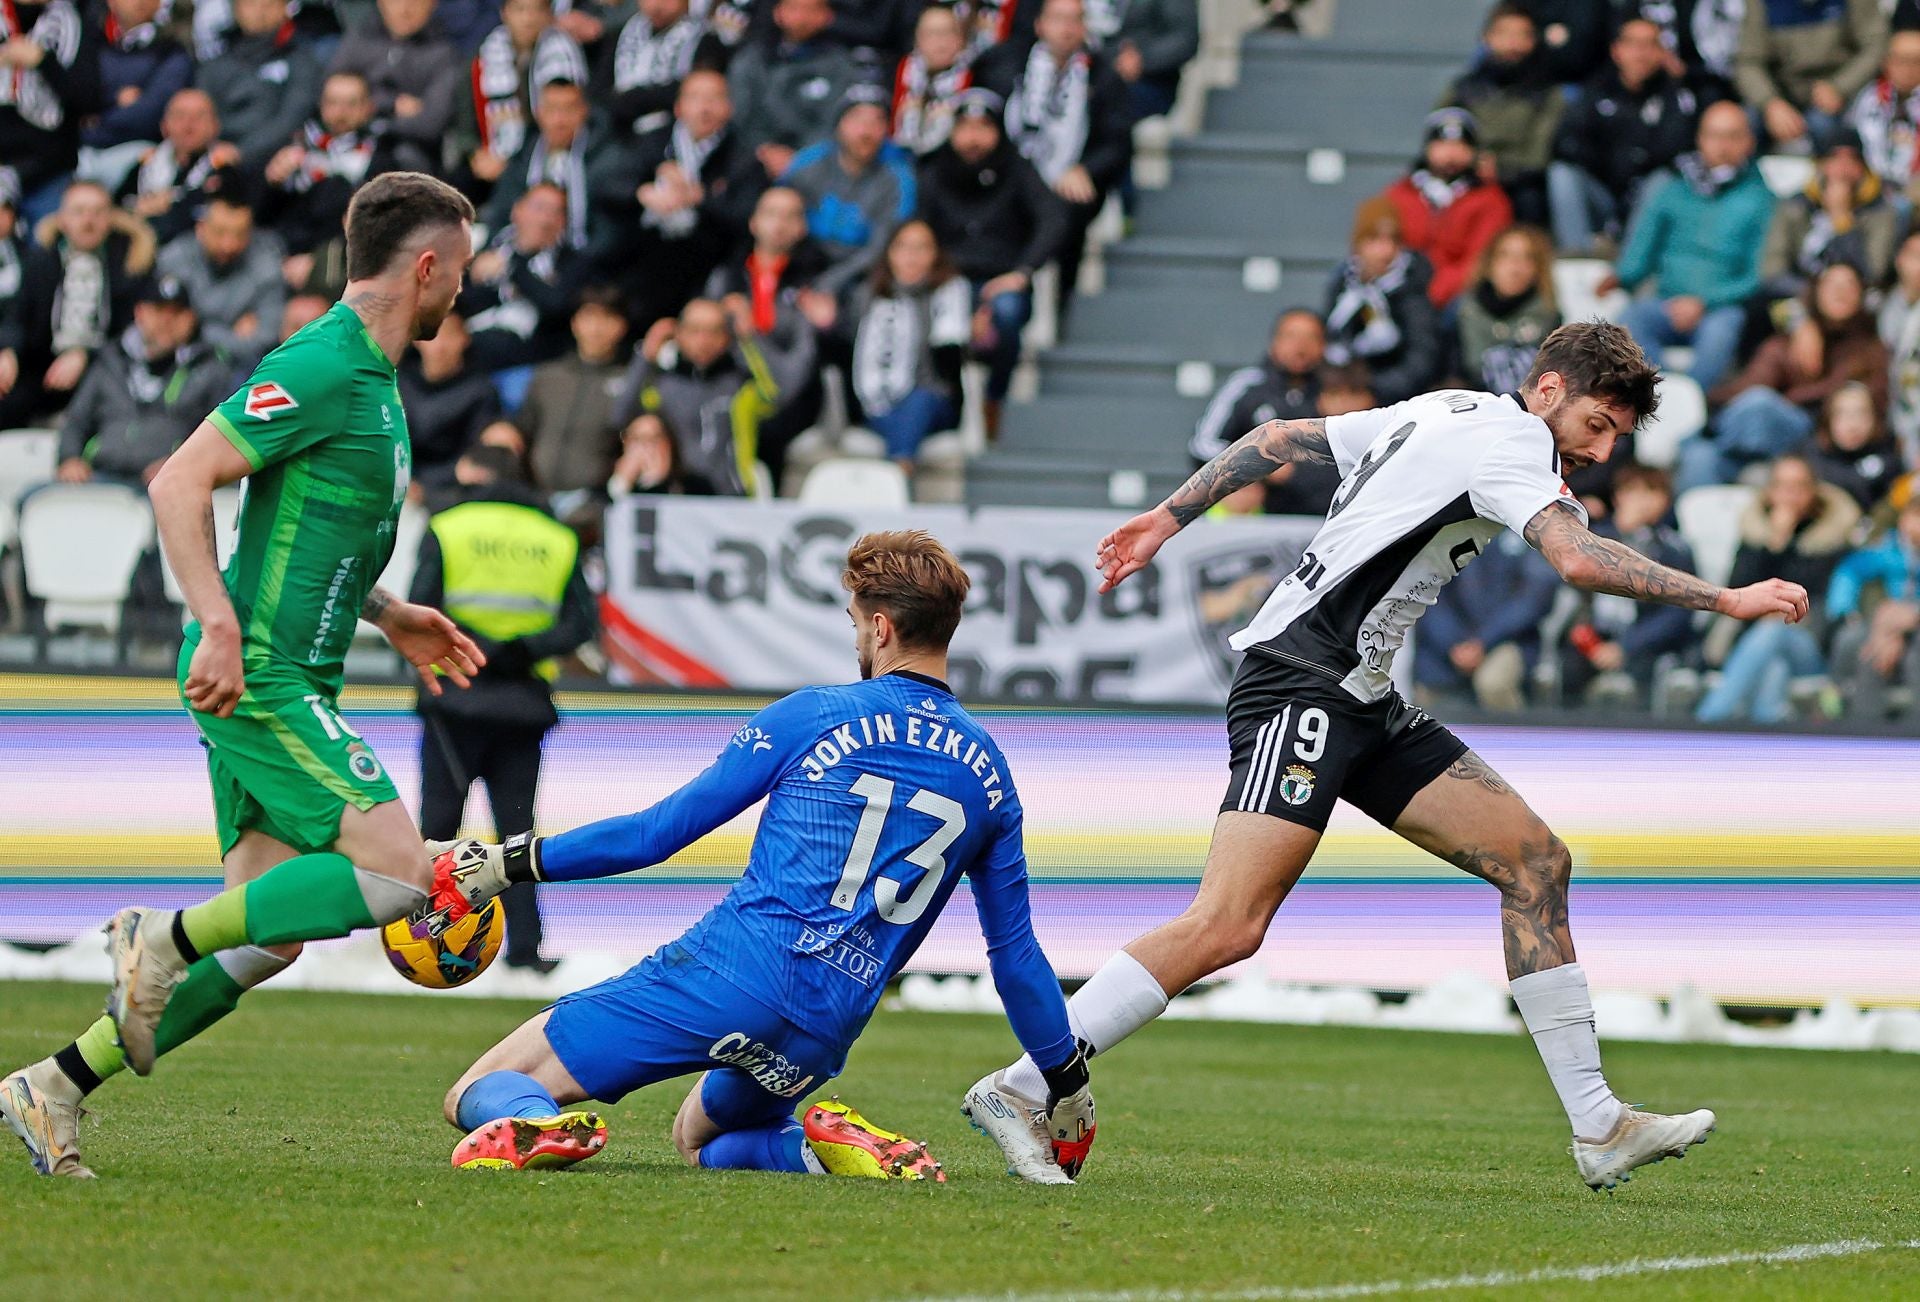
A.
pixel 1682 414
pixel 1576 285
pixel 847 482
pixel 1710 521
pixel 83 586
pixel 226 527
pixel 1786 174
pixel 27 458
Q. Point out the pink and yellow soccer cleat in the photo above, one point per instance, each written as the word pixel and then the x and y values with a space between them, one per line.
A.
pixel 532 1143
pixel 848 1144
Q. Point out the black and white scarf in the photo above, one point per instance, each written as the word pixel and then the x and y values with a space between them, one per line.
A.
pixel 10 268
pixel 512 313
pixel 727 19
pixel 1439 194
pixel 1363 303
pixel 923 101
pixel 146 376
pixel 80 304
pixel 161 171
pixel 1103 21
pixel 691 155
pixel 57 31
pixel 894 343
pixel 1707 182
pixel 347 155
pixel 501 95
pixel 644 57
pixel 1889 125
pixel 569 172
pixel 1047 113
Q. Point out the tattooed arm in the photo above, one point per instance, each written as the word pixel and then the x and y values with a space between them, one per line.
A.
pixel 1251 459
pixel 1586 560
pixel 1257 454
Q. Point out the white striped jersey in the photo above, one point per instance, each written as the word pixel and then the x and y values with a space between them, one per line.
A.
pixel 1424 485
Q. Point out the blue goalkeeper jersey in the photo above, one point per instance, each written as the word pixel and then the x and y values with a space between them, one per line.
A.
pixel 880 795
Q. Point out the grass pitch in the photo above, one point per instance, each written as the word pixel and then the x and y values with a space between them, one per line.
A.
pixel 297 1150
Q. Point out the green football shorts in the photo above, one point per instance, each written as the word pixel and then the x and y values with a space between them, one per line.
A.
pixel 285 763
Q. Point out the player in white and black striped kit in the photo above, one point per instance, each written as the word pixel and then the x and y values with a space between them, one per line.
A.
pixel 1313 717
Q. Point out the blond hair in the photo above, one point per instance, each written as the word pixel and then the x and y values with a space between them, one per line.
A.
pixel 909 574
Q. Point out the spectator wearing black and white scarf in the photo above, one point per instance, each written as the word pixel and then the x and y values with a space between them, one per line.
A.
pixel 517 58
pixel 1068 113
pixel 672 204
pixel 311 181
pixel 938 68
pixel 657 48
pixel 521 287
pixel 47 81
pixel 562 152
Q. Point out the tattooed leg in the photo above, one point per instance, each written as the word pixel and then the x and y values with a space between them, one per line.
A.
pixel 1473 819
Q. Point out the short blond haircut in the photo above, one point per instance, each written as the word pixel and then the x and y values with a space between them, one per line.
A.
pixel 911 576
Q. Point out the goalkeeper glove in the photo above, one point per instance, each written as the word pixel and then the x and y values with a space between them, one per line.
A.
pixel 1069 1112
pixel 468 873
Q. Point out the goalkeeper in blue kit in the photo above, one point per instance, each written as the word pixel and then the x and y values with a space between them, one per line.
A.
pixel 880 795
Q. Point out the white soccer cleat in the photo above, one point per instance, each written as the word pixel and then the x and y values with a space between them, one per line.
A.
pixel 145 971
pixel 1639 1139
pixel 48 1127
pixel 1019 1125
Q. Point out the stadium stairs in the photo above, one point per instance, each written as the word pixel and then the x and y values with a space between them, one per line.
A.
pixel 1253 217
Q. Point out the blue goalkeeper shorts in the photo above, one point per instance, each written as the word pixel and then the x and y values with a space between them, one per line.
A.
pixel 671 1015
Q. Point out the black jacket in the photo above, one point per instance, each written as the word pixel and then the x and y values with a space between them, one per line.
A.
pixel 1415 363
pixel 990 217
pixel 549 284
pixel 731 177
pixel 445 417
pixel 506 691
pixel 1109 147
pixel 1619 136
pixel 1252 396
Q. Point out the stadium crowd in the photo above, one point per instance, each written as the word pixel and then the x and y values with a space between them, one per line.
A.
pixel 695 214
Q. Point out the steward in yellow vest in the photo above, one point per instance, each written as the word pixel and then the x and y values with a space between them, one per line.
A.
pixel 509 574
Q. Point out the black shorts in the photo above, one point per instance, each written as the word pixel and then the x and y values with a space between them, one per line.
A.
pixel 1298 741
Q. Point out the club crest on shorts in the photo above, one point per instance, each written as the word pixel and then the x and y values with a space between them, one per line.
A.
pixel 361 761
pixel 265 401
pixel 1296 784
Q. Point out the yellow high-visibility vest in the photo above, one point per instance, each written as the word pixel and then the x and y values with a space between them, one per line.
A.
pixel 506 568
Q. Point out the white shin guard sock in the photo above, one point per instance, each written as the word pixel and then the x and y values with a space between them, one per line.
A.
pixel 1558 1011
pixel 249 965
pixel 1118 1000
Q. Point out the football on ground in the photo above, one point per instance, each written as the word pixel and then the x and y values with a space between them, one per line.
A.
pixel 1231 1158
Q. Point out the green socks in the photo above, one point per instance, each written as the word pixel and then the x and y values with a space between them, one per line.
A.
pixel 210 990
pixel 311 897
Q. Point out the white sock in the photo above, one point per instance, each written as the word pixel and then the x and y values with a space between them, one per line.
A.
pixel 1120 998
pixel 249 965
pixel 1558 1010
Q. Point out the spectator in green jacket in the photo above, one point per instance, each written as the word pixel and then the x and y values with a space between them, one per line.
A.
pixel 1697 238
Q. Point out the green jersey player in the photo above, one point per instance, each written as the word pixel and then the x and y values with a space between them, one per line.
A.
pixel 313 837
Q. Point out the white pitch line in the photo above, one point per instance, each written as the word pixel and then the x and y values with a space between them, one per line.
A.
pixel 1492 1279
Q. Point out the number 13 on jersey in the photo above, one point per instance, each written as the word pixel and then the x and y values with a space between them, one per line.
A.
pixel 930 854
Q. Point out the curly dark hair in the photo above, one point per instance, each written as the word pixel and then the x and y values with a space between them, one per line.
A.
pixel 1601 359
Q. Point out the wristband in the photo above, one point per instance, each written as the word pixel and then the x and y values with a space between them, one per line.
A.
pixel 1069 1078
pixel 521 855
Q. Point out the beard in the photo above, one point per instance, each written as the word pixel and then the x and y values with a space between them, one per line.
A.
pixel 866 663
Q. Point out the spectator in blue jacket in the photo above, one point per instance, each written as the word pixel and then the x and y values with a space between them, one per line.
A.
pixel 858 186
pixel 1616 635
pixel 141 67
pixel 1483 632
pixel 1875 595
pixel 1697 237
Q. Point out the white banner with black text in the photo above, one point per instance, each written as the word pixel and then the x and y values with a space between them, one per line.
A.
pixel 727 593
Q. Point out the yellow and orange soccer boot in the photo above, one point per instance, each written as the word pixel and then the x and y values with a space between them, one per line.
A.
pixel 848 1144
pixel 532 1143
